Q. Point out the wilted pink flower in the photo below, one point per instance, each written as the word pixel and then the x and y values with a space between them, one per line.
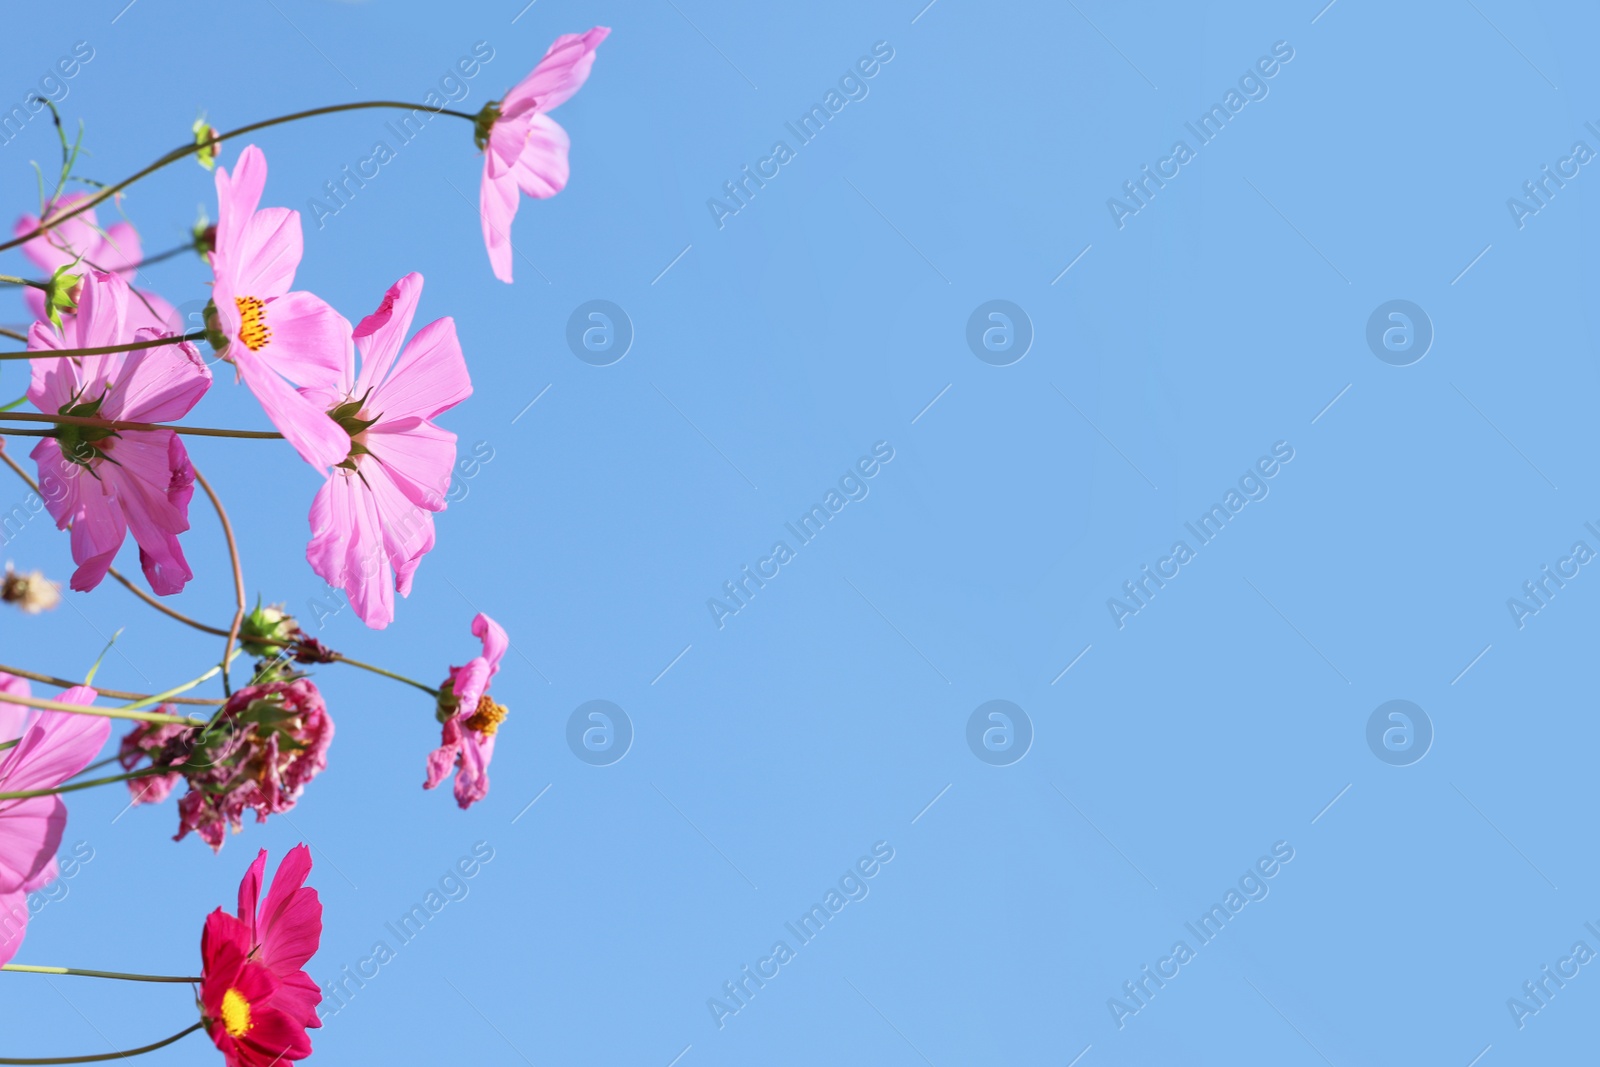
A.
pixel 163 744
pixel 117 480
pixel 372 521
pixel 471 718
pixel 526 149
pixel 269 333
pixel 268 742
pixel 81 240
pixel 52 746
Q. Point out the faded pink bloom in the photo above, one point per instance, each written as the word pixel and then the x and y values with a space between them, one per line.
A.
pixel 471 718
pixel 117 481
pixel 269 333
pixel 80 239
pixel 162 744
pixel 268 743
pixel 52 746
pixel 372 522
pixel 526 150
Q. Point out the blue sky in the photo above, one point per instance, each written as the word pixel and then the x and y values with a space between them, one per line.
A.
pixel 1182 339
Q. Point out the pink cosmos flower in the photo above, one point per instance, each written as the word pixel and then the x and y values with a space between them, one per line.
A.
pixel 80 239
pixel 271 740
pixel 116 481
pixel 526 150
pixel 52 746
pixel 372 522
pixel 269 333
pixel 471 718
pixel 285 929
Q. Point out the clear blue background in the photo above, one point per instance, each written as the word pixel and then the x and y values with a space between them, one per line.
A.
pixel 827 714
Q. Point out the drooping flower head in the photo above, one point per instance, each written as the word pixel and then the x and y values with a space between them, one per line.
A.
pixel 524 148
pixel 272 335
pixel 116 481
pixel 165 744
pixel 51 747
pixel 267 743
pixel 470 718
pixel 372 521
pixel 81 240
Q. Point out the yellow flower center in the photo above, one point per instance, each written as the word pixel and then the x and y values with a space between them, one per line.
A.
pixel 235 1013
pixel 254 333
pixel 488 716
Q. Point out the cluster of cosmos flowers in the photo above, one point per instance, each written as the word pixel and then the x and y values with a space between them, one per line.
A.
pixel 111 376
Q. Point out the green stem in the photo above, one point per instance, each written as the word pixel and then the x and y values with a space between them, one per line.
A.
pixel 143 772
pixel 10 744
pixel 114 694
pixel 25 969
pixel 342 658
pixel 107 713
pixel 184 151
pixel 9 279
pixel 119 424
pixel 159 698
pixel 104 350
pixel 102 1057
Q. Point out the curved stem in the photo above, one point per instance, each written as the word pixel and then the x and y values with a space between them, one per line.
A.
pixel 72 787
pixel 159 606
pixel 123 424
pixel 13 334
pixel 342 658
pixel 183 151
pixel 25 969
pixel 102 1057
pixel 238 578
pixel 105 713
pixel 114 694
pixel 104 350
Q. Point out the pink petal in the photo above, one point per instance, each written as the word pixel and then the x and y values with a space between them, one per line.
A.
pixel 346 547
pixel 58 746
pixel 159 384
pixel 291 917
pixel 13 923
pixel 30 833
pixel 471 681
pixel 497 205
pixel 495 641
pixel 562 72
pixel 541 169
pixel 432 377
pixel 418 457
pixel 250 891
pixel 380 335
pixel 238 195
pixel 319 440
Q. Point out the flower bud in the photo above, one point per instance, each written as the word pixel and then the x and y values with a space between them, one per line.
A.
pixel 61 293
pixel 267 630
pixel 207 147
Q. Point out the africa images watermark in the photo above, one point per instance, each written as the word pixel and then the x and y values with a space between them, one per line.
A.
pixel 852 87
pixel 1252 888
pixel 52 87
pixel 452 888
pixel 852 887
pixel 452 89
pixel 1538 592
pixel 852 486
pixel 1252 487
pixel 1253 87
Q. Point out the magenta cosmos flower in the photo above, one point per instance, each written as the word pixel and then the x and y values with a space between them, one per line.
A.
pixel 80 239
pixel 285 928
pixel 471 718
pixel 51 746
pixel 269 333
pixel 116 481
pixel 372 521
pixel 525 148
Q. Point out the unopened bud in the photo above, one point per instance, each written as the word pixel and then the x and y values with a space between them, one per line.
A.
pixel 32 592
